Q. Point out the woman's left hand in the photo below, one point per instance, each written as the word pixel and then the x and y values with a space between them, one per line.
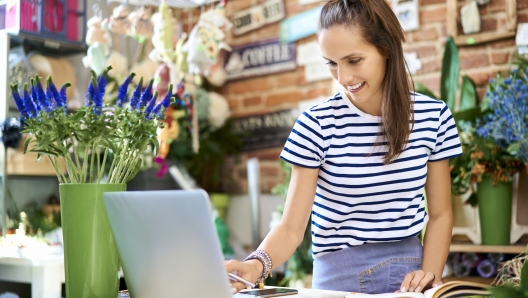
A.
pixel 417 280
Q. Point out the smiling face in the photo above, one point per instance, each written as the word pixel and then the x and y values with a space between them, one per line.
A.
pixel 356 65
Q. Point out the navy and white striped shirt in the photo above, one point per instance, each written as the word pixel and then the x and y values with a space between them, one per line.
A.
pixel 359 199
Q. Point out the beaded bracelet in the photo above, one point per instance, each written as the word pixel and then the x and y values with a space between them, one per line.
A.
pixel 267 264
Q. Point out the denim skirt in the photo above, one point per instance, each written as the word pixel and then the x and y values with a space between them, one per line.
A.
pixel 371 268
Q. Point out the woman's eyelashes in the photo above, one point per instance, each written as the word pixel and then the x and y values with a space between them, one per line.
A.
pixel 352 61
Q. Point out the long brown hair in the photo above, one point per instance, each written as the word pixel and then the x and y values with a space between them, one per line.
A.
pixel 380 27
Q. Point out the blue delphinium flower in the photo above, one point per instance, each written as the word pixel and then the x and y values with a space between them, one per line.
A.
pixel 88 99
pixel 168 96
pixel 165 102
pixel 151 105
pixel 97 98
pixel 46 103
pixel 18 100
pixel 146 96
pixel 31 107
pixel 122 92
pixel 52 92
pixel 134 99
pixel 103 80
pixel 62 93
pixel 33 92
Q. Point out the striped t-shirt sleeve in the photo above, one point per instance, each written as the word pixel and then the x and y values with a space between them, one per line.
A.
pixel 304 146
pixel 447 139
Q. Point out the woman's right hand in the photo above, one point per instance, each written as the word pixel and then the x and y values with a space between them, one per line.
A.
pixel 249 270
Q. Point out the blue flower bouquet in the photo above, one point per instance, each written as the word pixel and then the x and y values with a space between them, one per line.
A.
pixel 86 137
pixel 507 124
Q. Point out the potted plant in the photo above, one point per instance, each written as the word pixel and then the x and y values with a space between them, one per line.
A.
pixel 486 170
pixel 84 138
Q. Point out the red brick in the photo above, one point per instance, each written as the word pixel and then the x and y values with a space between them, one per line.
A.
pixel 474 61
pixel 268 154
pixel 443 30
pixel 500 58
pixel 427 2
pixel 267 32
pixel 252 101
pixel 233 103
pixel 314 93
pixel 424 34
pixel 433 15
pixel 301 80
pixel 251 85
pixel 479 78
pixel 488 24
pixel 279 98
pixel 242 173
pixel 502 43
pixel 481 91
pixel 522 17
pixel 432 84
pixel 286 79
pixel 430 66
pixel 522 4
pixel 269 170
pixel 422 51
pixel 496 6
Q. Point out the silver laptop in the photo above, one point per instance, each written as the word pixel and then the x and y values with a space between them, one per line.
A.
pixel 167 244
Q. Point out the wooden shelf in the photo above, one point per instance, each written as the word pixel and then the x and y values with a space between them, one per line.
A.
pixel 507 249
pixel 472 39
pixel 45 44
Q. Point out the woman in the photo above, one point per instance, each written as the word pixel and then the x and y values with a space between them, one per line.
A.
pixel 361 162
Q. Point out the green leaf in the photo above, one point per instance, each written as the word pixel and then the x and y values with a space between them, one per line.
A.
pixel 514 148
pixel 505 292
pixel 472 200
pixel 524 278
pixel 468 94
pixel 44 152
pixel 420 88
pixel 26 143
pixel 78 115
pixel 39 157
pixel 450 72
pixel 468 114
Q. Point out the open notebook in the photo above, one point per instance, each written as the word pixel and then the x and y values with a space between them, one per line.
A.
pixel 452 289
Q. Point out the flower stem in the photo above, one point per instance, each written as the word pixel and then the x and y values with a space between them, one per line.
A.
pixel 85 164
pixel 92 163
pixel 58 172
pixel 103 166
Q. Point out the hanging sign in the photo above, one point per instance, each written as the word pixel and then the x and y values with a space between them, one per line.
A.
pixel 260 58
pixel 249 19
pixel 265 130
pixel 309 55
pixel 299 26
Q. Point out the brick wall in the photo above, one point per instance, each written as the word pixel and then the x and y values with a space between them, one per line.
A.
pixel 285 90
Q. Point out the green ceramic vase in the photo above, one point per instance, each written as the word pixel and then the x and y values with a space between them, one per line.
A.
pixel 90 255
pixel 495 211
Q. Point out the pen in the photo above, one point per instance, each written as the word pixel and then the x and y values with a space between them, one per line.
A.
pixel 240 279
